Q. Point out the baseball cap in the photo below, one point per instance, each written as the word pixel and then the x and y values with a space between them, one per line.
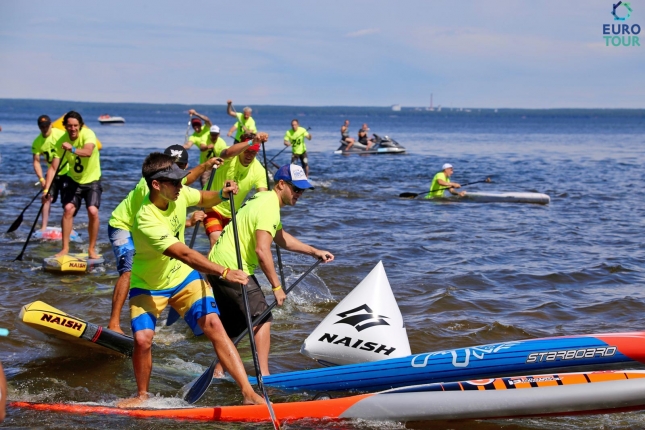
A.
pixel 254 147
pixel 44 120
pixel 294 174
pixel 446 166
pixel 214 129
pixel 179 152
pixel 172 172
pixel 195 121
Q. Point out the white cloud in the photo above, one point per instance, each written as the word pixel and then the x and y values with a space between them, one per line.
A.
pixel 364 32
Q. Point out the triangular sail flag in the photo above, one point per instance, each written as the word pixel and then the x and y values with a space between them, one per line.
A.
pixel 367 325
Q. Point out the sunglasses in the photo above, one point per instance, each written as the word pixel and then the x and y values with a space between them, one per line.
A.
pixel 296 189
pixel 174 182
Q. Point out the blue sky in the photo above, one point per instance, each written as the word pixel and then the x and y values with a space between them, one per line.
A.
pixel 530 54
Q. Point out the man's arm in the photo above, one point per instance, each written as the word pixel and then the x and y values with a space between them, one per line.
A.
pixel 229 109
pixel 231 130
pixel 38 169
pixel 85 151
pixel 200 263
pixel 238 148
pixel 263 241
pixel 204 118
pixel 211 198
pixel 188 144
pixel 290 243
pixel 197 171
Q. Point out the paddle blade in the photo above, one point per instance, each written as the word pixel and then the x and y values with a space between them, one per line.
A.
pixel 408 195
pixel 200 385
pixel 15 224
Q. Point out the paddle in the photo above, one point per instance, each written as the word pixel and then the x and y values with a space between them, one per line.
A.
pixel 18 220
pixel 281 151
pixel 277 248
pixel 199 385
pixel 249 323
pixel 33 226
pixel 413 195
pixel 208 187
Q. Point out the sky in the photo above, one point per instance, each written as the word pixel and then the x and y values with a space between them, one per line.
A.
pixel 478 54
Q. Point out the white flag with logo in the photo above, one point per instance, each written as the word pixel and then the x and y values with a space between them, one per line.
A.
pixel 367 325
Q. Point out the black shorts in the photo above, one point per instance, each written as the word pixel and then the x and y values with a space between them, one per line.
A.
pixel 302 157
pixel 73 192
pixel 231 304
pixel 54 188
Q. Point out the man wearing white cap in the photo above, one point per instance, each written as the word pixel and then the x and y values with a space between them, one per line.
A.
pixel 441 182
pixel 211 147
pixel 259 225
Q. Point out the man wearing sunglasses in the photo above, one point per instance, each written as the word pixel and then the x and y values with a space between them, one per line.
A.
pixel 259 225
pixel 45 144
pixel 241 166
pixel 167 272
pixel 122 220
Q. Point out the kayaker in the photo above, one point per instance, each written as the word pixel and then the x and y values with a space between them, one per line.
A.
pixel 441 181
pixel 295 137
pixel 122 220
pixel 45 144
pixel 199 139
pixel 165 271
pixel 344 135
pixel 241 166
pixel 245 122
pixel 82 182
pixel 259 225
pixel 363 138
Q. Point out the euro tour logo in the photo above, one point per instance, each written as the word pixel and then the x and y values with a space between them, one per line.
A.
pixel 621 34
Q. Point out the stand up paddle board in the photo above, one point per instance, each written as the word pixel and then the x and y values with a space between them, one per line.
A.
pixel 513 397
pixel 50 324
pixel 492 197
pixel 484 361
pixel 55 233
pixel 72 263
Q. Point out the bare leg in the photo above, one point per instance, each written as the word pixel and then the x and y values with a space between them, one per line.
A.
pixel 262 335
pixel 228 355
pixel 46 210
pixel 92 230
pixel 66 226
pixel 118 300
pixel 142 363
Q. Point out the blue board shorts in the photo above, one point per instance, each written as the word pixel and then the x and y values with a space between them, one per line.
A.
pixel 123 248
pixel 192 299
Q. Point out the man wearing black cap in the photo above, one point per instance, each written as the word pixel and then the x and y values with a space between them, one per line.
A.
pixel 122 220
pixel 45 144
pixel 166 272
pixel 259 225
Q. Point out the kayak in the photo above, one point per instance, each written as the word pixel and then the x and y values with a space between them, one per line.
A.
pixel 510 397
pixel 78 263
pixel 47 323
pixel 484 361
pixel 55 233
pixel 511 197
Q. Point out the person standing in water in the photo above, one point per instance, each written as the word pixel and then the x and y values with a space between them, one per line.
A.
pixel 245 123
pixel 45 144
pixel 295 137
pixel 82 182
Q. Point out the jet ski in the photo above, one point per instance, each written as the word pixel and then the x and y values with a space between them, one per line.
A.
pixel 382 145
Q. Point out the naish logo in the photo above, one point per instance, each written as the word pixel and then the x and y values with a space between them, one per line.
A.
pixel 80 265
pixel 571 354
pixel 349 342
pixel 55 319
pixel 361 321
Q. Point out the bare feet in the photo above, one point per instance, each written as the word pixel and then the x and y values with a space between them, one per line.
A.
pixel 218 374
pixel 93 255
pixel 132 402
pixel 253 398
pixel 62 252
pixel 116 328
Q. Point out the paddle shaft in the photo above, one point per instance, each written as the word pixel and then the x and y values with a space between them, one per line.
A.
pixel 208 188
pixel 249 323
pixel 277 248
pixel 33 226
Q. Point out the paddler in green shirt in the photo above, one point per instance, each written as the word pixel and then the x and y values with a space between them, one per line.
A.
pixel 82 182
pixel 241 166
pixel 167 272
pixel 122 220
pixel 441 182
pixel 45 144
pixel 259 225
pixel 295 137
pixel 245 123
pixel 199 137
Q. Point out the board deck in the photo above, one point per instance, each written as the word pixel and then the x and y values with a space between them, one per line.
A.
pixel 76 263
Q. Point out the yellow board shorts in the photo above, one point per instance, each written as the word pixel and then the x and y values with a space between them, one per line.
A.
pixel 192 299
